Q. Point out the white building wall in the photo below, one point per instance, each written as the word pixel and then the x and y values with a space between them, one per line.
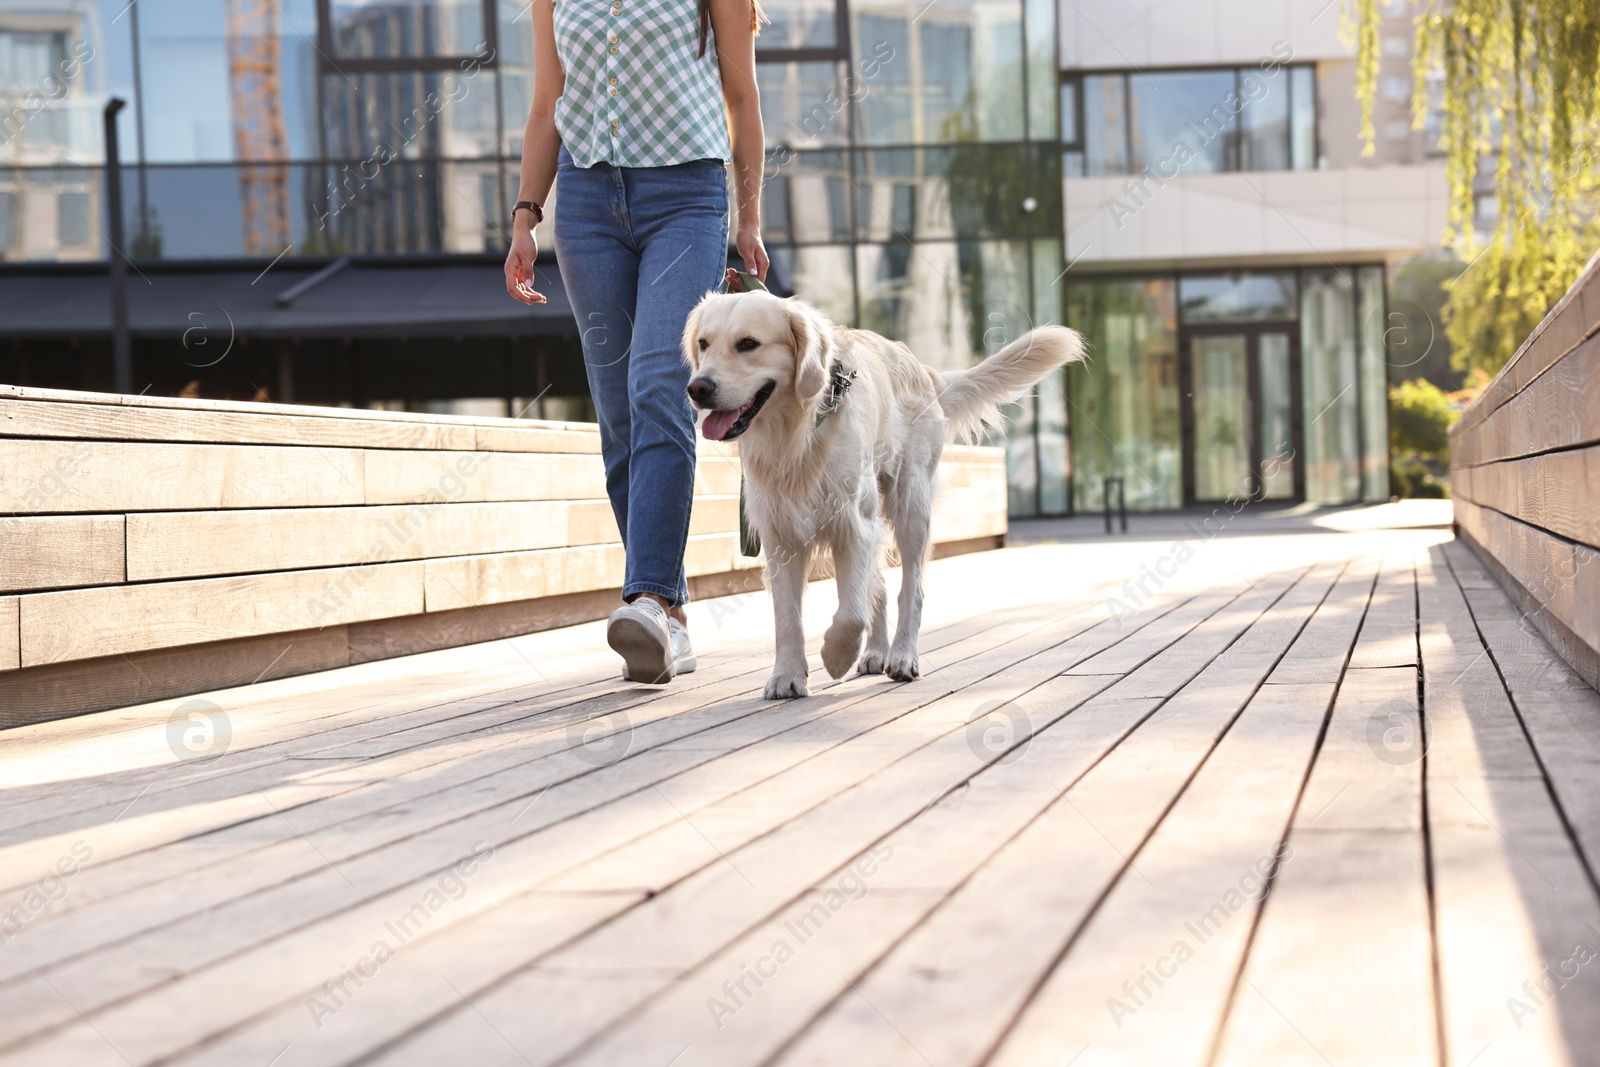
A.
pixel 1117 34
pixel 1277 217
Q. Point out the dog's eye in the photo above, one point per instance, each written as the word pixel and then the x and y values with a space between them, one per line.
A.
pixel 704 344
pixel 746 344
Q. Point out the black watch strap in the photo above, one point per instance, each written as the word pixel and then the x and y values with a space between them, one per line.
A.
pixel 538 212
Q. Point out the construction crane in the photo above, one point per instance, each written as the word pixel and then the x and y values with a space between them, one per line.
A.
pixel 259 138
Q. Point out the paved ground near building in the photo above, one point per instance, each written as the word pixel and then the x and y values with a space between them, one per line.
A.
pixel 1306 793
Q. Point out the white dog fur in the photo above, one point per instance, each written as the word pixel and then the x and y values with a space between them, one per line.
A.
pixel 809 485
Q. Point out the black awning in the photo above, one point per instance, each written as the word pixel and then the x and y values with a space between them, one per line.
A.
pixel 364 299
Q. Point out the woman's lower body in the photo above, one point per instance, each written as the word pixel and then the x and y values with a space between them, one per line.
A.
pixel 638 248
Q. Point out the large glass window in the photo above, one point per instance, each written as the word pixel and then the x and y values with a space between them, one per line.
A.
pixel 1328 384
pixel 944 72
pixel 1245 296
pixel 1124 402
pixel 1182 122
pixel 1190 121
pixel 1374 386
pixel 405 29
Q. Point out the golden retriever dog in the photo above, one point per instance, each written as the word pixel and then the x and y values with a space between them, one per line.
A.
pixel 840 430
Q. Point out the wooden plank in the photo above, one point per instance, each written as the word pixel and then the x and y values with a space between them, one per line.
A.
pixel 80 624
pixel 121 476
pixel 1368 774
pixel 477 477
pixel 1340 969
pixel 274 426
pixel 1555 411
pixel 1388 636
pixel 1186 909
pixel 57 691
pixel 167 545
pixel 56 552
pixel 10 636
pixel 1512 904
pixel 1318 654
pixel 1552 570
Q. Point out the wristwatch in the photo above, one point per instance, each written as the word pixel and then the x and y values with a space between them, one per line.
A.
pixel 538 212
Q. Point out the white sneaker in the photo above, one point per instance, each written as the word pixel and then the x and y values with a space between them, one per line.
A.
pixel 641 634
pixel 683 657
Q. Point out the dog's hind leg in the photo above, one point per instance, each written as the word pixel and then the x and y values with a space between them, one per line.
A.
pixel 854 561
pixel 911 506
pixel 786 571
pixel 877 650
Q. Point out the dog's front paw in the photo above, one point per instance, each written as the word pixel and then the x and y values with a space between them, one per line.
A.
pixel 901 667
pixel 841 645
pixel 784 685
pixel 871 663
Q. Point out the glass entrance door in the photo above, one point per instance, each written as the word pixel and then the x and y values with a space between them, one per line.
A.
pixel 1240 417
pixel 1220 401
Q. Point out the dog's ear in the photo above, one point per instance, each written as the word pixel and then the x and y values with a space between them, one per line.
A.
pixel 813 345
pixel 691 336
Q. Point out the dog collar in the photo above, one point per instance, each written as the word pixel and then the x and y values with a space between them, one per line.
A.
pixel 839 381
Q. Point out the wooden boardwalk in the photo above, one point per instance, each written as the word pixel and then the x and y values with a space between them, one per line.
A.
pixel 1269 798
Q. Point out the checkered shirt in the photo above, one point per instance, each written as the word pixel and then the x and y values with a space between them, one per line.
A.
pixel 637 93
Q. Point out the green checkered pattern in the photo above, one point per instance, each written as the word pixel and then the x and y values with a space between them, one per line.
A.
pixel 668 105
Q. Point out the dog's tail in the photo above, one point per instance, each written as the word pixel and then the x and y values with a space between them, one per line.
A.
pixel 971 398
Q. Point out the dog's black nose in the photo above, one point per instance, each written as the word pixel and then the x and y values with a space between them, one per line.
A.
pixel 701 390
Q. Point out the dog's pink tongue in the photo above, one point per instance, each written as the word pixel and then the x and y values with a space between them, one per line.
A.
pixel 718 423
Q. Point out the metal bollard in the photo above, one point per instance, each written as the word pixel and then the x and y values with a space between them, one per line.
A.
pixel 1122 502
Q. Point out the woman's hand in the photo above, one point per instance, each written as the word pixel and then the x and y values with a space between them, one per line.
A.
pixel 519 263
pixel 752 251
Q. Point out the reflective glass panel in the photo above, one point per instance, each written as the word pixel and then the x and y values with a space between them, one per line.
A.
pixel 1123 403
pixel 1327 382
pixel 516 72
pixel 1276 417
pixel 1040 21
pixel 805 105
pixel 380 118
pixel 52 214
pixel 823 275
pixel 966 190
pixel 1050 406
pixel 883 56
pixel 1105 125
pixel 1303 117
pixel 798 24
pixel 1183 122
pixel 1374 387
pixel 1069 112
pixel 1240 297
pixel 942 72
pixel 59 63
pixel 1264 120
pixel 1218 375
pixel 395 29
pixel 208 97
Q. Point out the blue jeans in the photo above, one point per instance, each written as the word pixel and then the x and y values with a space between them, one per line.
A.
pixel 638 248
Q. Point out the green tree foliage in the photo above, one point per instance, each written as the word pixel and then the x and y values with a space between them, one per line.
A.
pixel 1521 90
pixel 1418 346
pixel 1419 437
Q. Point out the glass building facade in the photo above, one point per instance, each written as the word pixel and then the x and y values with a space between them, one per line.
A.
pixel 915 166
